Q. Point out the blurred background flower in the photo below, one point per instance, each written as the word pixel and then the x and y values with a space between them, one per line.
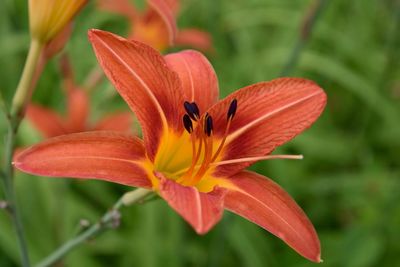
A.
pixel 348 183
pixel 156 25
pixel 77 118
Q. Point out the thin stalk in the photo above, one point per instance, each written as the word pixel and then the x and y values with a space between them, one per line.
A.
pixel 102 225
pixel 26 84
pixel 10 196
pixel 391 48
pixel 21 98
pixel 305 33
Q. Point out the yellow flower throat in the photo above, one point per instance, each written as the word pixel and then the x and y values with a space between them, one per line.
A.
pixel 189 157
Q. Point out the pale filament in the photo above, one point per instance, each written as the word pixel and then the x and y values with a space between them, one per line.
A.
pixel 221 145
pixel 240 160
pixel 208 144
pixel 195 156
pixel 243 160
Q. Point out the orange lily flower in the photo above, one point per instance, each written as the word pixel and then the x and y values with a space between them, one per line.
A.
pixel 51 124
pixel 195 148
pixel 156 25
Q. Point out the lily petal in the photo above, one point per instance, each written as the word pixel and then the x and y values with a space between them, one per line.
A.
pixel 194 38
pixel 141 76
pixel 77 99
pixel 46 121
pixel 121 7
pixel 78 110
pixel 201 210
pixel 120 122
pixel 165 12
pixel 108 156
pixel 268 115
pixel 199 81
pixel 265 203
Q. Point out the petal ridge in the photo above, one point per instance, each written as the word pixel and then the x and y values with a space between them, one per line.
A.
pixel 109 156
pixel 265 203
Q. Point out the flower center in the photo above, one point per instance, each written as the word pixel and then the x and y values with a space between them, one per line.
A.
pixel 191 156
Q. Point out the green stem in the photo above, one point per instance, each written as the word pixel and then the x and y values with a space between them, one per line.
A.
pixel 26 84
pixel 21 98
pixel 10 195
pixel 103 224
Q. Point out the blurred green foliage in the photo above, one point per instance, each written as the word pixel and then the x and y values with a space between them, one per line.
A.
pixel 348 183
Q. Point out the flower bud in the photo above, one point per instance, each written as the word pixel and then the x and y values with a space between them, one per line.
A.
pixel 48 17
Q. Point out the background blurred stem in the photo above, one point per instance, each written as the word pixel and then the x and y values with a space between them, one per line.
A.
pixel 21 99
pixel 3 105
pixel 316 9
pixel 391 48
pixel 108 221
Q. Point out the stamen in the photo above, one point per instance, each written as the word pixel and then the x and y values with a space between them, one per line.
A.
pixel 187 123
pixel 232 161
pixel 231 113
pixel 196 110
pixel 208 125
pixel 195 156
pixel 192 110
pixel 195 159
pixel 208 145
pixel 232 109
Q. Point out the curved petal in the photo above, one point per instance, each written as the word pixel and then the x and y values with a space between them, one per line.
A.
pixel 195 38
pixel 77 110
pixel 199 81
pixel 165 12
pixel 174 6
pixel 201 210
pixel 265 203
pixel 108 156
pixel 46 121
pixel 268 115
pixel 143 79
pixel 156 27
pixel 120 122
pixel 121 7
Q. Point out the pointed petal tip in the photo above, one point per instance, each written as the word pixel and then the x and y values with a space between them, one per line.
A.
pixel 201 231
pixel 94 33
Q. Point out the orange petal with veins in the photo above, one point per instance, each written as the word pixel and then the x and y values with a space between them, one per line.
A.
pixel 141 76
pixel 268 115
pixel 265 203
pixel 201 210
pixel 199 81
pixel 108 156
